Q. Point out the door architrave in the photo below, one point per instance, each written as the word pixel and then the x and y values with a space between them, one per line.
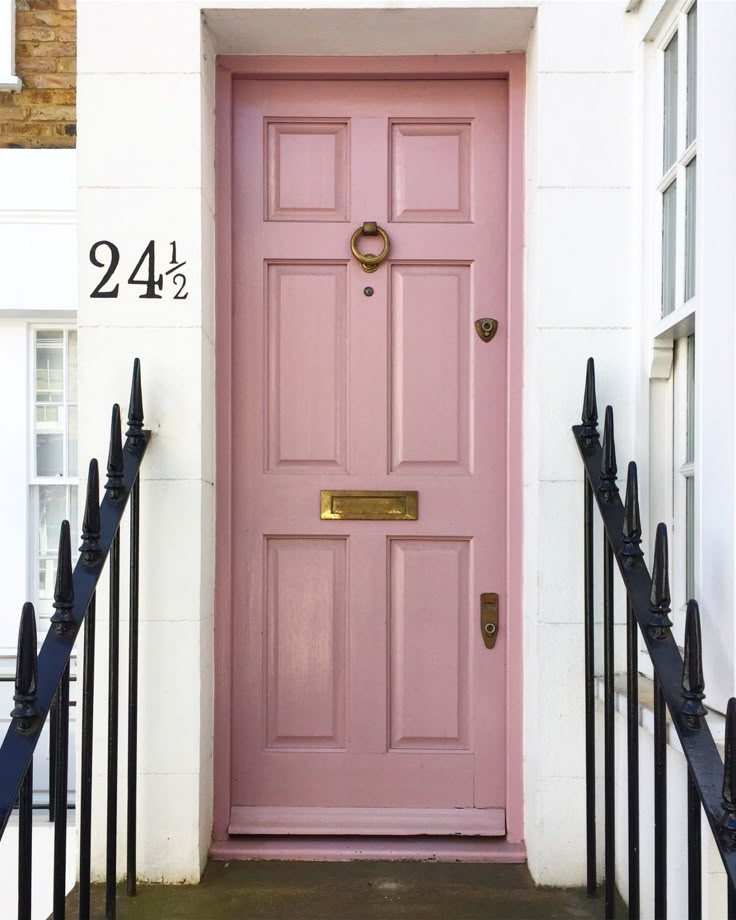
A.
pixel 509 67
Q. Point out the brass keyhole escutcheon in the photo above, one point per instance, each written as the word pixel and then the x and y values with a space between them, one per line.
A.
pixel 486 328
pixel 489 618
pixel 370 261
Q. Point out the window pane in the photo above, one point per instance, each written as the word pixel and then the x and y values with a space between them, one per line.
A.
pixel 690 443
pixel 692 69
pixel 690 189
pixel 72 365
pixel 54 503
pixel 49 366
pixel 46 581
pixel 690 537
pixel 51 512
pixel 670 102
pixel 669 217
pixel 73 521
pixel 72 440
pixel 49 441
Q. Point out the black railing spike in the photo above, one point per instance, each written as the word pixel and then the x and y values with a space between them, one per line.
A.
pixel 659 597
pixel 90 548
pixel 728 821
pixel 630 550
pixel 608 488
pixel 693 682
pixel 26 671
pixel 114 484
pixel 589 432
pixel 63 615
pixel 135 407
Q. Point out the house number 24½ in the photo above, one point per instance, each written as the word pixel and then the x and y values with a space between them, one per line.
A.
pixel 106 255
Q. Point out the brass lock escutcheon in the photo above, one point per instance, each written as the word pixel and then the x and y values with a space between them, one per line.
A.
pixel 486 328
pixel 489 618
pixel 370 261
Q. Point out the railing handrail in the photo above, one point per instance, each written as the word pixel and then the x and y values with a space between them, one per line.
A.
pixel 19 745
pixel 648 599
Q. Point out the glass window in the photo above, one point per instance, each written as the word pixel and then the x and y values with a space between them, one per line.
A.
pixel 669 248
pixel 54 462
pixel 692 69
pixel 690 187
pixel 678 182
pixel 671 53
pixel 49 367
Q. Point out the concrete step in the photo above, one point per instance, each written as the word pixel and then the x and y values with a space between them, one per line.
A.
pixel 353 891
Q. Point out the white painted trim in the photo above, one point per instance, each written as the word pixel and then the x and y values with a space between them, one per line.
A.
pixel 678 536
pixel 38 217
pixel 9 82
pixel 468 822
pixel 661 360
pixel 681 321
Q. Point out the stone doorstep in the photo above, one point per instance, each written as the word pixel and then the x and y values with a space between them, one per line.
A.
pixel 352 891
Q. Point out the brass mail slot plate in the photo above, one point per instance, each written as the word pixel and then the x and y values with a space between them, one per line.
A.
pixel 338 505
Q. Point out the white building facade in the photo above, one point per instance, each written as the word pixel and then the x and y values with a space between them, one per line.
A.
pixel 622 245
pixel 38 321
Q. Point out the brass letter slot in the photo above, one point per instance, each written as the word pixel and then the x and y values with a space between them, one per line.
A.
pixel 336 505
pixel 489 618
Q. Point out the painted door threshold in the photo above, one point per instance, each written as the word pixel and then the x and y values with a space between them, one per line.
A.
pixel 404 822
pixel 390 849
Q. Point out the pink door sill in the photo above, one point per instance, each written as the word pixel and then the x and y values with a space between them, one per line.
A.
pixel 472 822
pixel 347 849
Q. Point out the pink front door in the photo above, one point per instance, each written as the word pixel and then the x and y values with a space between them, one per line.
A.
pixel 364 698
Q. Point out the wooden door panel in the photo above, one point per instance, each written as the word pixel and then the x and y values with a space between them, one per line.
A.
pixel 430 171
pixel 306 611
pixel 430 368
pixel 429 647
pixel 307 366
pixel 397 779
pixel 364 700
pixel 307 170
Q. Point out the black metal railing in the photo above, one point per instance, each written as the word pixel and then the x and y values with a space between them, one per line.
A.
pixel 678 687
pixel 42 678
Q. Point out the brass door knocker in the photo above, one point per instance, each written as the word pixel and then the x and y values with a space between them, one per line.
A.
pixel 369 261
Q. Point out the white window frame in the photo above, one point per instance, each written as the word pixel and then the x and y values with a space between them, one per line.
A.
pixel 681 320
pixel 669 333
pixel 683 469
pixel 34 481
pixel 9 81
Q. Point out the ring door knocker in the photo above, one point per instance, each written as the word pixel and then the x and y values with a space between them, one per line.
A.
pixel 369 261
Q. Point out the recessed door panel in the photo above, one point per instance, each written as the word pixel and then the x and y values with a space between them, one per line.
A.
pixel 307 363
pixel 431 171
pixel 307 168
pixel 430 586
pixel 431 426
pixel 305 642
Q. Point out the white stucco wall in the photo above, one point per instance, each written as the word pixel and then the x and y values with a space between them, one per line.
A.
pixel 155 181
pixel 579 302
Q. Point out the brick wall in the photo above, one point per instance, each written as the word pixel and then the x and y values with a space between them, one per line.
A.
pixel 43 113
